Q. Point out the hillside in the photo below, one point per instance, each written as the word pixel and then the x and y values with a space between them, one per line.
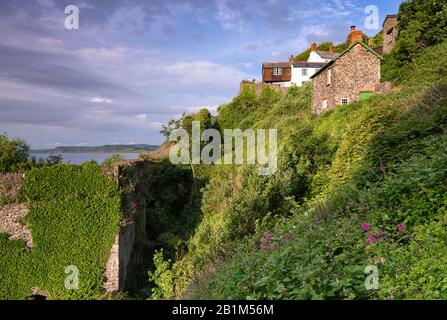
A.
pixel 359 188
pixel 115 148
pixel 361 185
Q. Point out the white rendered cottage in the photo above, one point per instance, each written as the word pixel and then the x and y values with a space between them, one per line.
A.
pixel 303 70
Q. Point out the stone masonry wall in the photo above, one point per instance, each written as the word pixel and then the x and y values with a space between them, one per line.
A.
pixel 388 43
pixel 355 72
pixel 121 252
pixel 10 184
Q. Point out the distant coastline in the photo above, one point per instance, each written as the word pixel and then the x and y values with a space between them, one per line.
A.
pixel 131 148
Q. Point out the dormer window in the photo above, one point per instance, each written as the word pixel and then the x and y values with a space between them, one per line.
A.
pixel 277 71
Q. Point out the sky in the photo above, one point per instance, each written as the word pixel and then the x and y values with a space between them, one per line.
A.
pixel 135 64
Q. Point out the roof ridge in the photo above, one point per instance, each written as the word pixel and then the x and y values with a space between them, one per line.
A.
pixel 344 52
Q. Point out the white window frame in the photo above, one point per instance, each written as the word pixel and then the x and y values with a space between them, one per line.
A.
pixel 277 71
pixel 342 99
pixel 329 77
pixel 324 104
pixel 304 72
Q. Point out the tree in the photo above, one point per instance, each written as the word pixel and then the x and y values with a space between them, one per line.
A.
pixel 422 23
pixel 54 159
pixel 166 129
pixel 14 154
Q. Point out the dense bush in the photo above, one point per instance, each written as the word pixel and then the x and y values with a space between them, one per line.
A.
pixel 13 154
pixel 378 163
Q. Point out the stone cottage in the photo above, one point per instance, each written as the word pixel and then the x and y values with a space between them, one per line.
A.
pixel 353 75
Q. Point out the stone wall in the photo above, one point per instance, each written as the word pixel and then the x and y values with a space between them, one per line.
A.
pixel 390 33
pixel 120 254
pixel 124 243
pixel 384 87
pixel 355 72
pixel 10 184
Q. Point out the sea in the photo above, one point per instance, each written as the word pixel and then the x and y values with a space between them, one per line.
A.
pixel 80 158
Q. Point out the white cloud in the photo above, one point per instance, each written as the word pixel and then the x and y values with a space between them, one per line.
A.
pixel 100 100
pixel 228 18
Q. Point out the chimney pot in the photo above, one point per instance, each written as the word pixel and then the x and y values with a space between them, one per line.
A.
pixel 291 58
pixel 352 28
pixel 313 47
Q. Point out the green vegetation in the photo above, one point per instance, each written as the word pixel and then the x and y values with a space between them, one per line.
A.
pixel 14 156
pixel 364 184
pixel 325 46
pixel 74 217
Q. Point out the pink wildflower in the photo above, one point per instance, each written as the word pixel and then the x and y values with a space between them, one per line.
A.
pixel 366 227
pixel 266 238
pixel 371 239
pixel 400 227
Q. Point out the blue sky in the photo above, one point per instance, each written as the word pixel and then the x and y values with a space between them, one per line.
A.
pixel 135 64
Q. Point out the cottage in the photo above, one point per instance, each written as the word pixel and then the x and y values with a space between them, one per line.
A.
pixel 303 70
pixel 277 73
pixel 285 74
pixel 353 75
pixel 318 56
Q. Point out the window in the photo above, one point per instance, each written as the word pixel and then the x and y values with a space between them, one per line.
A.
pixel 324 104
pixel 304 72
pixel 389 35
pixel 329 77
pixel 277 71
pixel 344 101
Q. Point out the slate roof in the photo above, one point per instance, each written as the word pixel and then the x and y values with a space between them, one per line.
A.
pixel 327 54
pixel 389 16
pixel 276 65
pixel 304 64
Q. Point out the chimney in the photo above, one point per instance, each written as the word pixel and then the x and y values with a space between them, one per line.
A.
pixel 291 58
pixel 355 35
pixel 331 49
pixel 313 47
